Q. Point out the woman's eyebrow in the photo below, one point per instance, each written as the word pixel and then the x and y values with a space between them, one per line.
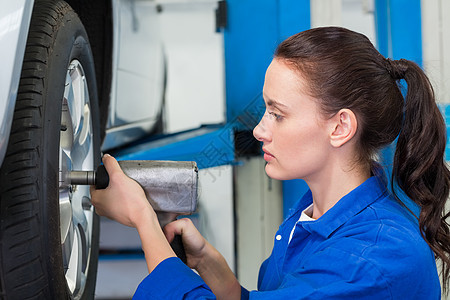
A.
pixel 276 104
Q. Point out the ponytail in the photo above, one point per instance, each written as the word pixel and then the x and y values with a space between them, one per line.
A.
pixel 419 167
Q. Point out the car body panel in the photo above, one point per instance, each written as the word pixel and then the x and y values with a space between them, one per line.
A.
pixel 14 24
pixel 137 89
pixel 138 68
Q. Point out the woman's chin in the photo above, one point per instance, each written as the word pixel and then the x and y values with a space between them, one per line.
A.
pixel 273 173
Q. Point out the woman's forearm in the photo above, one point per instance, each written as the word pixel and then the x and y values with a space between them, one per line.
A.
pixel 154 243
pixel 216 273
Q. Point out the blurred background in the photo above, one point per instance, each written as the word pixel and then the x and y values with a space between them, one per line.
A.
pixel 174 80
pixel 216 54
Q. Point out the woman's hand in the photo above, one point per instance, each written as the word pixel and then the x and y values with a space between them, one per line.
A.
pixel 194 243
pixel 123 200
pixel 203 257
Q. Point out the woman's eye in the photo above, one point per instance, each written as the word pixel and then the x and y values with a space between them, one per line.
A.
pixel 276 116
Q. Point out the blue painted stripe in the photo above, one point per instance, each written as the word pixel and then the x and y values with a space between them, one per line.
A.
pixel 139 255
pixel 406 29
pixel 294 16
pixel 398 26
pixel 209 146
pixel 254 30
pixel 250 39
pixel 293 190
pixel 445 108
pixel 382 25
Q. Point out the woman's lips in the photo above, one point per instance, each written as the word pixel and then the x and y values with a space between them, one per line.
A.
pixel 268 156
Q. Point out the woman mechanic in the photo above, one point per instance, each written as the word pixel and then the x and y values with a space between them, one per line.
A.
pixel 332 101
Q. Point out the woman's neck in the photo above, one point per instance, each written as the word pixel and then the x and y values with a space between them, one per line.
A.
pixel 333 184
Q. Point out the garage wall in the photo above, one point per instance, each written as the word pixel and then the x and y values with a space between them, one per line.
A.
pixel 195 83
pixel 436 46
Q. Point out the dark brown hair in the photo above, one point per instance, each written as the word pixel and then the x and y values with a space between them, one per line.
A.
pixel 344 70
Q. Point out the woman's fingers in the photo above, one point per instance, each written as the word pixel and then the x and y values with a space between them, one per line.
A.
pixel 124 199
pixel 111 165
pixel 176 228
pixel 193 241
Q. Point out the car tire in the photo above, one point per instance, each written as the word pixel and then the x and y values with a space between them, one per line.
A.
pixel 49 232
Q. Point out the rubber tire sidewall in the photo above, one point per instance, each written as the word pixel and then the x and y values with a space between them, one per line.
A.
pixel 77 47
pixel 70 42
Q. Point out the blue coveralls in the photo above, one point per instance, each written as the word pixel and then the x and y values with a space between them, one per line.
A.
pixel 367 246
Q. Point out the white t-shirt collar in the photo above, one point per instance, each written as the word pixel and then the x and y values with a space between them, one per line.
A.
pixel 306 216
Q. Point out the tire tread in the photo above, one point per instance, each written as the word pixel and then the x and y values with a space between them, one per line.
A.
pixel 18 234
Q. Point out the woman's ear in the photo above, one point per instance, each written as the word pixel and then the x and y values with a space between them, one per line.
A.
pixel 344 127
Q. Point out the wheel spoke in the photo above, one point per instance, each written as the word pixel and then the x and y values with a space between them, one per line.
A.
pixel 74 266
pixel 65 211
pixel 78 86
pixel 66 136
pixel 82 145
pixel 79 217
pixel 65 207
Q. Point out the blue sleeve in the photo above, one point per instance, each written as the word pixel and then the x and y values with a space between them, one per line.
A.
pixel 244 294
pixel 172 279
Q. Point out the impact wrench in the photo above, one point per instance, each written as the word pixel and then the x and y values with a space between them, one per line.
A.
pixel 170 188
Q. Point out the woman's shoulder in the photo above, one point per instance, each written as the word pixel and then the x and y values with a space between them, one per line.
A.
pixel 386 246
pixel 384 225
pixel 386 237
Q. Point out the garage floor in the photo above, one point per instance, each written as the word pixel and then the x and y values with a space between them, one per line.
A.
pixel 119 277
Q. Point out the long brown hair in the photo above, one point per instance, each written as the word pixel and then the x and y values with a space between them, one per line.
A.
pixel 344 70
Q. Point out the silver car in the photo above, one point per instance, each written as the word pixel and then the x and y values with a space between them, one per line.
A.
pixel 75 75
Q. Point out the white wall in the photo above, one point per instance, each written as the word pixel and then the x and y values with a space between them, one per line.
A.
pixel 436 52
pixel 357 15
pixel 259 204
pixel 436 46
pixel 196 89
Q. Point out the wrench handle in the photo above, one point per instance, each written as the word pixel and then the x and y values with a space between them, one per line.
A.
pixel 178 248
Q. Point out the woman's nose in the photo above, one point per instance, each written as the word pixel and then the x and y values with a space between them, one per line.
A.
pixel 260 132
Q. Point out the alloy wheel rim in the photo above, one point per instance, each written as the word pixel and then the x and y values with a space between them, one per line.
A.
pixel 76 153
